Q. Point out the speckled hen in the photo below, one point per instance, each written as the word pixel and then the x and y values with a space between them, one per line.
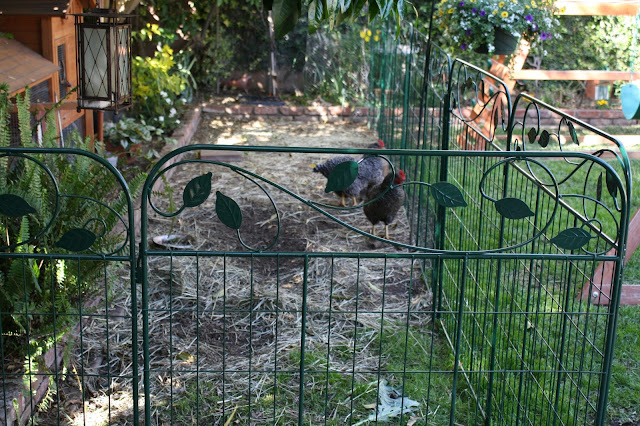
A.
pixel 371 171
pixel 386 207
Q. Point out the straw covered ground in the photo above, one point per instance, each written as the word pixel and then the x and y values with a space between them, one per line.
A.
pixel 225 330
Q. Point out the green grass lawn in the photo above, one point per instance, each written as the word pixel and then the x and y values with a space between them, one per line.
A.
pixel 624 393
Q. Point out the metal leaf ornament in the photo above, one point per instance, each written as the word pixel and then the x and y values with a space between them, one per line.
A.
pixel 197 190
pixel 15 206
pixel 572 238
pixel 573 133
pixel 513 208
pixel 228 211
pixel 544 139
pixel 447 195
pixel 532 134
pixel 342 176
pixel 77 239
pixel 612 185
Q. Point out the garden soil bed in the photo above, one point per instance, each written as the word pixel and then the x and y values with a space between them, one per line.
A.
pixel 262 296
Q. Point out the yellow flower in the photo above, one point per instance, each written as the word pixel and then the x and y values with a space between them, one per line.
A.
pixel 376 37
pixel 472 1
pixel 501 4
pixel 533 3
pixel 495 12
pixel 377 31
pixel 441 13
pixel 504 14
pixel 367 38
pixel 527 6
pixel 450 10
pixel 563 10
pixel 362 34
pixel 369 33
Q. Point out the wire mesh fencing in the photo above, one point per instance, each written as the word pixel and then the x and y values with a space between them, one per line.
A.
pixel 69 350
pixel 254 297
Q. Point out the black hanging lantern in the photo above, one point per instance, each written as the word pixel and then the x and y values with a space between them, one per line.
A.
pixel 104 60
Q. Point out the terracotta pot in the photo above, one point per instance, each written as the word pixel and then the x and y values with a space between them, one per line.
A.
pixel 505 43
pixel 111 147
pixel 133 153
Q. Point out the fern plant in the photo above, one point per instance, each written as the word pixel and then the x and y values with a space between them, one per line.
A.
pixel 44 197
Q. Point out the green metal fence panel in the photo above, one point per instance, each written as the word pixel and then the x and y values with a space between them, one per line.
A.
pixel 277 333
pixel 69 353
pixel 529 344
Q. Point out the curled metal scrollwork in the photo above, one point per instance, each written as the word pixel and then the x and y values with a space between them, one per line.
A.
pixel 15 206
pixel 479 100
pixel 447 195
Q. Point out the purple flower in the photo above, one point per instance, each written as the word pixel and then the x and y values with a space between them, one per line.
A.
pixel 468 32
pixel 474 10
pixel 483 13
pixel 529 18
pixel 545 36
pixel 464 46
pixel 461 4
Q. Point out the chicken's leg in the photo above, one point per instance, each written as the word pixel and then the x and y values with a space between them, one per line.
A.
pixel 343 202
pixel 355 201
pixel 386 232
pixel 373 230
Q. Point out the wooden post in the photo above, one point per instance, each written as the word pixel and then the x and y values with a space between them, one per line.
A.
pixel 100 123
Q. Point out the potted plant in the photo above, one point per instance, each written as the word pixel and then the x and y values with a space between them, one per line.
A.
pixel 495 26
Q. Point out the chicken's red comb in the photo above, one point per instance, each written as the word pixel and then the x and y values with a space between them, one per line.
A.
pixel 400 177
pixel 380 143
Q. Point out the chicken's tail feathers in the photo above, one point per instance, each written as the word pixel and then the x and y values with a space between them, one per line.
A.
pixel 322 168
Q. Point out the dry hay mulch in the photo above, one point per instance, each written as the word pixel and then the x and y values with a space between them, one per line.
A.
pixel 243 314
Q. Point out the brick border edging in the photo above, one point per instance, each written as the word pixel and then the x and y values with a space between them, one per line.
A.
pixel 326 114
pixel 334 113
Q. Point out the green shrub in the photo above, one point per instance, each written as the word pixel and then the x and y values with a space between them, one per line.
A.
pixel 161 86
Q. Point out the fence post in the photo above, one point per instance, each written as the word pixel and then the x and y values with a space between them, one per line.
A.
pixel 614 307
pixel 405 97
pixel 456 363
pixel 383 65
pixel 143 270
pixel 441 213
pixel 303 339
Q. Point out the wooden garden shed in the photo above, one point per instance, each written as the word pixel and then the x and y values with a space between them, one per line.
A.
pixel 42 54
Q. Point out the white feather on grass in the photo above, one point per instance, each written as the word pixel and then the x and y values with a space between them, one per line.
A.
pixel 389 406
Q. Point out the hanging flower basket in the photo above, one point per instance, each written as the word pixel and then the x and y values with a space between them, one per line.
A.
pixel 504 43
pixel 485 25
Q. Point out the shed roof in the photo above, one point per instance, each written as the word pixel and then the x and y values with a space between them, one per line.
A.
pixel 34 7
pixel 21 66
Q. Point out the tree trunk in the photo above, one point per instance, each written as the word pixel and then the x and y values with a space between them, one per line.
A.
pixel 272 72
